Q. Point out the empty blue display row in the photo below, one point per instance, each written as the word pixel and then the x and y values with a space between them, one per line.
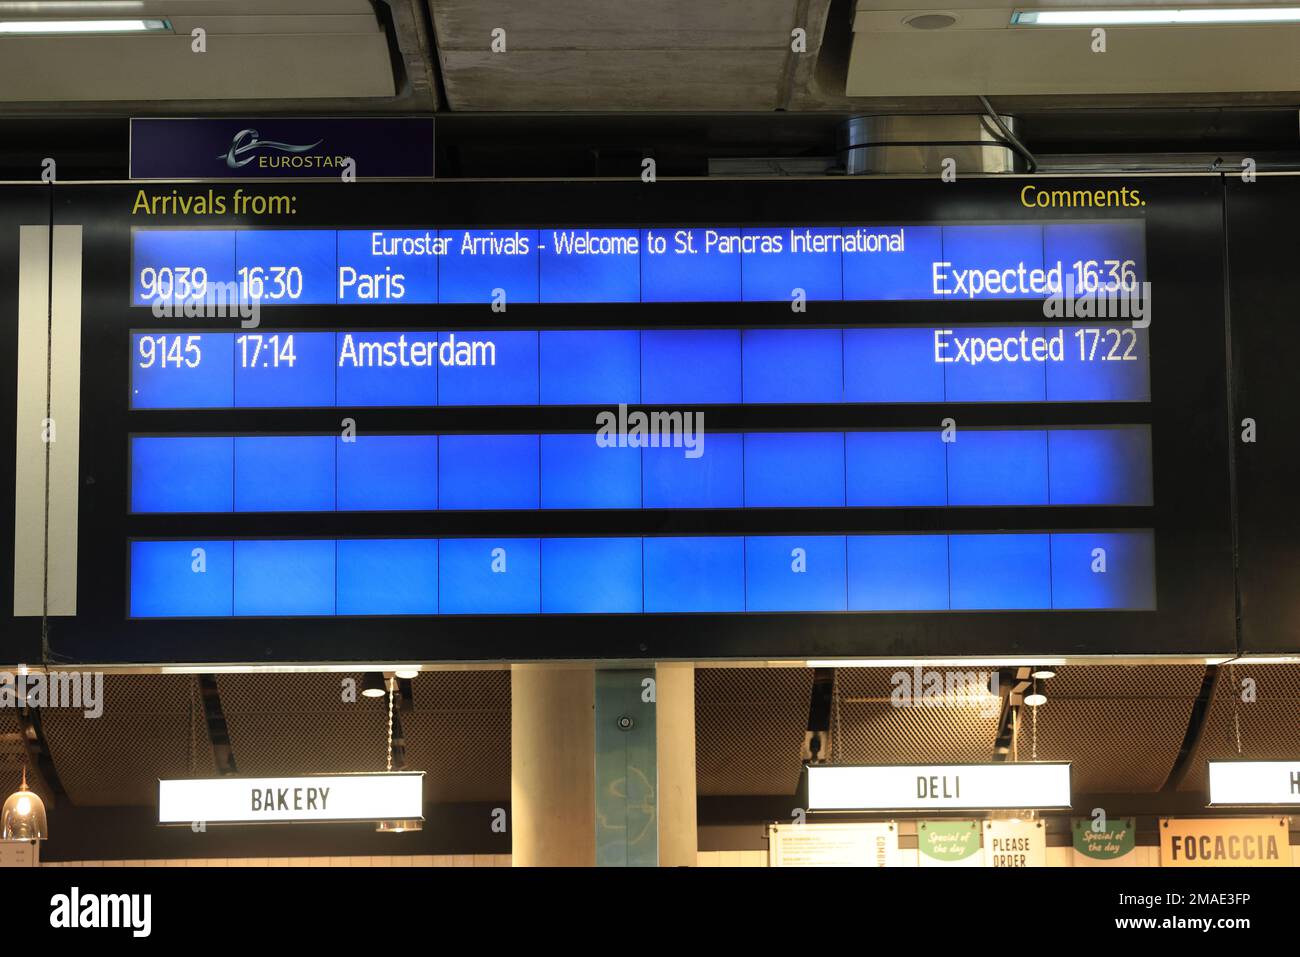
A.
pixel 978 467
pixel 269 369
pixel 573 265
pixel 527 576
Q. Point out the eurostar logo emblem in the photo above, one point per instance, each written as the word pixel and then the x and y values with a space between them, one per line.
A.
pixel 247 143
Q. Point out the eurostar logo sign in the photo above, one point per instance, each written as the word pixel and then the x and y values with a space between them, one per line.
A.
pixel 247 145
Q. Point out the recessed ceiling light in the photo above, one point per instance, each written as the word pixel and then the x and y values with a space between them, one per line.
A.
pixel 59 27
pixel 1154 16
pixel 931 21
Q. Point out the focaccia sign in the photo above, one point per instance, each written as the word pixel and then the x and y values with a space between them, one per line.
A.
pixel 1225 842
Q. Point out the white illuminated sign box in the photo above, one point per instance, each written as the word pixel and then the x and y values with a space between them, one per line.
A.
pixel 938 787
pixel 1254 783
pixel 323 797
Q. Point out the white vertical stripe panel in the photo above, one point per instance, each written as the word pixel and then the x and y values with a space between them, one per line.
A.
pixel 29 470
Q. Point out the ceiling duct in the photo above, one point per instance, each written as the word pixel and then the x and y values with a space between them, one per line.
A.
pixel 921 144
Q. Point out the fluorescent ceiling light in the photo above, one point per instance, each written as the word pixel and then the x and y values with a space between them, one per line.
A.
pixel 1154 16
pixel 30 27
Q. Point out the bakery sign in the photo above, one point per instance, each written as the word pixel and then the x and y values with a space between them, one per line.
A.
pixel 1225 842
pixel 317 797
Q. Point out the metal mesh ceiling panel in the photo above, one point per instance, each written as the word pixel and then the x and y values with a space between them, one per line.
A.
pixel 1126 681
pixel 872 729
pixel 151 728
pixel 287 724
pixel 749 729
pixel 459 734
pixel 1124 745
pixel 1269 726
pixel 1120 727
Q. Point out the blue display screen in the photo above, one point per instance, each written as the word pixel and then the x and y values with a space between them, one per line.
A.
pixel 601 264
pixel 1103 570
pixel 883 469
pixel 513 448
pixel 282 369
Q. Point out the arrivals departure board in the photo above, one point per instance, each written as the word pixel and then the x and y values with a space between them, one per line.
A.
pixel 697 419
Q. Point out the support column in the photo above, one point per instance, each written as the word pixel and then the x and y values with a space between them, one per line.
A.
pixel 552 762
pixel 675 690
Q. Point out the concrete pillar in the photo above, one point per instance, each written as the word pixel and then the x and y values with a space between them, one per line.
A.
pixel 675 717
pixel 552 766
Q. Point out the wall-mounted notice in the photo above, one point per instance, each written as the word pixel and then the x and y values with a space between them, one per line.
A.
pixel 833 845
pixel 1110 846
pixel 1015 844
pixel 1225 842
pixel 948 844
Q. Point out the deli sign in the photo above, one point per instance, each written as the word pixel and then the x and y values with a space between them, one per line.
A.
pixel 1225 842
pixel 318 797
pixel 944 787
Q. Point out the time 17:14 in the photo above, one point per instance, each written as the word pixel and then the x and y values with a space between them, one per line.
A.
pixel 258 351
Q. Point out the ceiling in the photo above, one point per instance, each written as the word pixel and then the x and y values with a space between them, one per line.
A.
pixel 1122 727
pixel 593 55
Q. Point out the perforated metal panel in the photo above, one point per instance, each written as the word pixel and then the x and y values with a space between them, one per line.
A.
pixel 459 734
pixel 458 731
pixel 749 729
pixel 1126 681
pixel 287 724
pixel 1120 727
pixel 923 724
pixel 1268 727
pixel 151 728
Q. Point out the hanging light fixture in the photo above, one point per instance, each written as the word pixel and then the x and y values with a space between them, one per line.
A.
pixel 372 685
pixel 23 816
pixel 1035 697
pixel 396 826
pixel 1043 671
